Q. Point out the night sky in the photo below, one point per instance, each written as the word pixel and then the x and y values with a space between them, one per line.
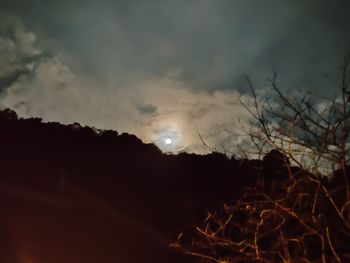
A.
pixel 164 70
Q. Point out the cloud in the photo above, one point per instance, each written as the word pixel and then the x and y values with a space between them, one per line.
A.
pixel 166 68
pixel 146 108
pixel 150 107
pixel 207 44
pixel 17 50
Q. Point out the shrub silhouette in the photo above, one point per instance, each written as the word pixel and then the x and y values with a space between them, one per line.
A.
pixel 298 222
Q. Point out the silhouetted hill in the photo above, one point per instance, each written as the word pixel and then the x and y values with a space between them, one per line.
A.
pixel 83 195
pixel 77 194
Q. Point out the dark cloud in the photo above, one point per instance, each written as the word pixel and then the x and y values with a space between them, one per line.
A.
pixel 209 44
pixel 139 65
pixel 147 108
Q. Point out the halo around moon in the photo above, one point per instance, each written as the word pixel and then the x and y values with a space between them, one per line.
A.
pixel 168 140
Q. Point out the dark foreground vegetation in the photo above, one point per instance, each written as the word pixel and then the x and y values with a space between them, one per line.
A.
pixel 288 216
pixel 75 194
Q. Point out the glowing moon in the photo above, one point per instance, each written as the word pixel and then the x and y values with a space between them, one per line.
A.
pixel 168 139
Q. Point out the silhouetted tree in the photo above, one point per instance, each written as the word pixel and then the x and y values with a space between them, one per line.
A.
pixel 314 134
pixel 8 114
pixel 303 218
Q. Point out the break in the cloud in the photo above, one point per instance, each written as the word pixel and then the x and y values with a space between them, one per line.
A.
pixel 162 68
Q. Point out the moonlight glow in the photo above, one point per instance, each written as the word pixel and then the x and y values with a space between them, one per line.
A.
pixel 168 139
